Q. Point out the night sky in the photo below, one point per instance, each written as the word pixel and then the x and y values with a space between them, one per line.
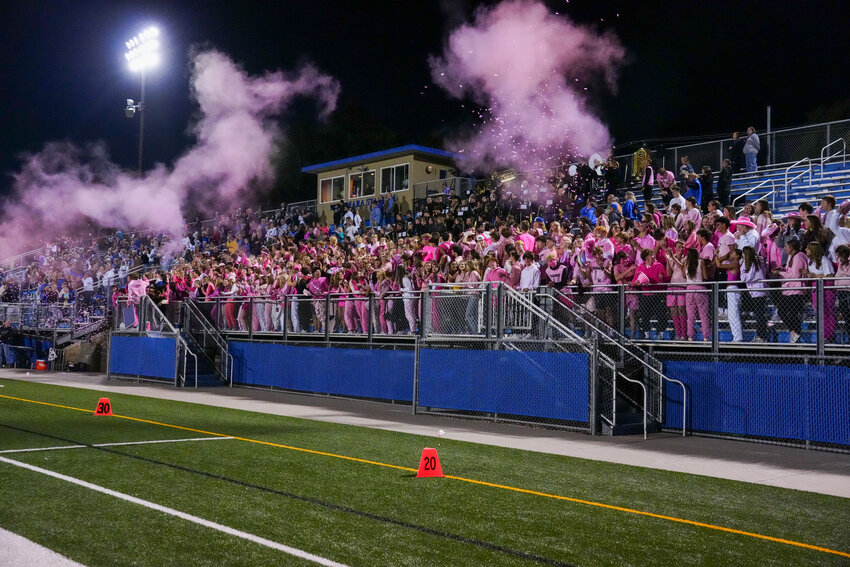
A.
pixel 695 68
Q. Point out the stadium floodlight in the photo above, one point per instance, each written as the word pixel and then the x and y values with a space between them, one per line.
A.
pixel 142 54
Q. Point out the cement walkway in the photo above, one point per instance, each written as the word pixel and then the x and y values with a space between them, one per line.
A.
pixel 786 467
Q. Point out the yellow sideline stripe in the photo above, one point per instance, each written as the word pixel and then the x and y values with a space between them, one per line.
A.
pixel 469 480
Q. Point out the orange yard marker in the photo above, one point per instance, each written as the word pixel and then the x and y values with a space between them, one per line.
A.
pixel 429 464
pixel 103 407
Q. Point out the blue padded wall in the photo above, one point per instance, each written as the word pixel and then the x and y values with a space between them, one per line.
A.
pixel 152 357
pixel 786 401
pixel 382 374
pixel 534 384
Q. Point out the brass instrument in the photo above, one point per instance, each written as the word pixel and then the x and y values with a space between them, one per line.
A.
pixel 504 175
pixel 640 160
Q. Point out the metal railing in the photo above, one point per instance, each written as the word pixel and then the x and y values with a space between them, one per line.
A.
pixel 626 348
pixel 800 175
pixel 196 323
pixel 756 188
pixel 150 320
pixel 825 158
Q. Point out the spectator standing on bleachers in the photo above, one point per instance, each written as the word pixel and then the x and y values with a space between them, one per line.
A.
pixel 666 181
pixel 706 179
pixel 647 182
pixel 820 267
pixel 751 150
pixel 736 152
pixel 724 182
pixel 791 302
pixel 842 272
pixel 694 186
pixel 685 169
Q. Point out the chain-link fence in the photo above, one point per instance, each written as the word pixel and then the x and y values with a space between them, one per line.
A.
pixel 779 146
pixel 788 399
pixel 60 317
pixel 396 313
pixel 513 379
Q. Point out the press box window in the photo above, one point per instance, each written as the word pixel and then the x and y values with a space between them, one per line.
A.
pixel 394 178
pixel 333 189
pixel 362 184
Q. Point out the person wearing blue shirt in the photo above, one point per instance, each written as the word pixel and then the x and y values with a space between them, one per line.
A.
pixel 375 214
pixel 630 207
pixel 694 188
pixel 589 212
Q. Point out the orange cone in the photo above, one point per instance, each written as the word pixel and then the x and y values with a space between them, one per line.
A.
pixel 429 464
pixel 103 407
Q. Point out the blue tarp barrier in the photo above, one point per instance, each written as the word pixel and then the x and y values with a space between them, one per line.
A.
pixel 382 374
pixel 152 357
pixel 534 384
pixel 784 401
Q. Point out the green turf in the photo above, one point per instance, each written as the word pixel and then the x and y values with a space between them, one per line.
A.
pixel 97 529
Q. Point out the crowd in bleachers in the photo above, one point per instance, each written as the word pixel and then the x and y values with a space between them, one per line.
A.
pixel 570 233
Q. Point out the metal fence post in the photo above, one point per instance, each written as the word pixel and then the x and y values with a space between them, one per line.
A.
pixel 714 311
pixel 250 318
pixel 720 161
pixel 819 315
pixel 328 318
pixel 594 387
pixel 426 323
pixel 284 322
pixel 621 310
pixel 500 312
pixel 416 352
pixel 488 311
pixel 371 308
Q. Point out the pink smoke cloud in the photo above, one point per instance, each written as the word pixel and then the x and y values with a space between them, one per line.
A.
pixel 528 68
pixel 65 188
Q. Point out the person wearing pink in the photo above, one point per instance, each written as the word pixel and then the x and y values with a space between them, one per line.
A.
pixel 648 278
pixel 318 289
pixel 725 240
pixel 821 267
pixel 842 283
pixel 136 289
pixel 675 298
pixel 732 267
pixel 792 301
pixel 770 251
pixel 692 212
pixel 601 277
pixel 624 271
pixel 696 302
pixel 643 242
pixel 526 238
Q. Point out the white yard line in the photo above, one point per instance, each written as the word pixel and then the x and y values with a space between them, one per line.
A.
pixel 160 441
pixel 18 550
pixel 43 449
pixel 113 444
pixel 176 513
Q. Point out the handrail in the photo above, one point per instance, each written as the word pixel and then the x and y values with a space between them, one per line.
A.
pixel 643 387
pixel 209 330
pixel 756 188
pixel 799 175
pixel 624 342
pixel 187 350
pixel 824 158
pixel 764 197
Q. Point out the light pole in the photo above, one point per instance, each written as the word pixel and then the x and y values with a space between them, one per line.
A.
pixel 142 54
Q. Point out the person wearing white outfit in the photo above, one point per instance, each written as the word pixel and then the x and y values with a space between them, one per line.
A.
pixel 733 294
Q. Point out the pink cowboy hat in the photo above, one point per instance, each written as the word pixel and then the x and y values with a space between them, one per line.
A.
pixel 770 230
pixel 641 279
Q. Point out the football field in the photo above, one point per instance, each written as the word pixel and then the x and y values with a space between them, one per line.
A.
pixel 171 483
